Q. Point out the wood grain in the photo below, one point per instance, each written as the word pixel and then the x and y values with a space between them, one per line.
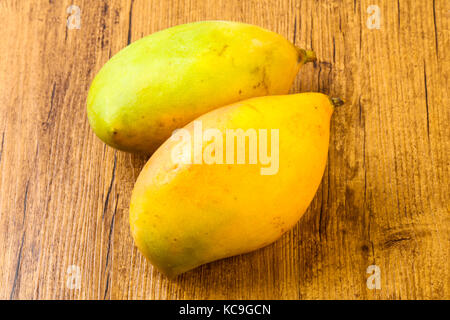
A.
pixel 384 198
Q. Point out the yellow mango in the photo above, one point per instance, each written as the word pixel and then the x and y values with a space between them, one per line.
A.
pixel 187 210
pixel 167 79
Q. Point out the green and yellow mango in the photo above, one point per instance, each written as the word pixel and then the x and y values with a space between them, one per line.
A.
pixel 184 214
pixel 167 79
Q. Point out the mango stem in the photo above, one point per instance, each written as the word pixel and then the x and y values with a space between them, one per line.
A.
pixel 336 102
pixel 306 55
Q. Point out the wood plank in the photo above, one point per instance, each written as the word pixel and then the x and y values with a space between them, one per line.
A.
pixel 383 200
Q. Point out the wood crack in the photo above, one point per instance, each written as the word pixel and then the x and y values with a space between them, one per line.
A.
pixel 129 22
pixel 334 50
pixel 51 104
pixel 111 228
pixel 18 264
pixel 105 207
pixel 369 216
pixel 25 202
pixel 1 146
pixel 295 30
pixel 426 99
pixel 395 242
pixel 435 28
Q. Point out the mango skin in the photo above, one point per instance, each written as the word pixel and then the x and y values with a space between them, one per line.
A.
pixel 185 215
pixel 167 79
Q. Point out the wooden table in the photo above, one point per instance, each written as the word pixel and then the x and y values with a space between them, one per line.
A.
pixel 383 201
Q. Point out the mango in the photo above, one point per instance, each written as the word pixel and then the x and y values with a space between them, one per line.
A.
pixel 165 80
pixel 208 193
